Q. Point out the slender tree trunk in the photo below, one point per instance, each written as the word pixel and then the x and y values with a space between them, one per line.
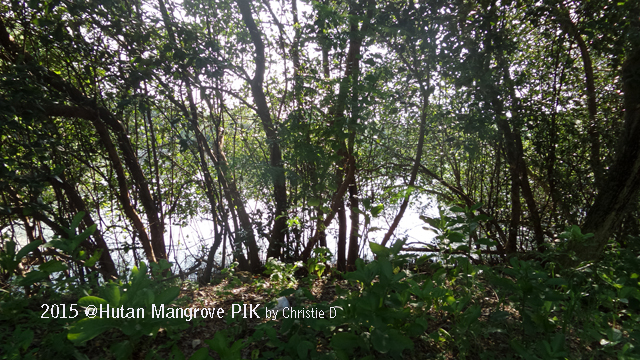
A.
pixel 354 235
pixel 275 155
pixel 206 276
pixel 571 29
pixel 425 91
pixel 414 170
pixel 107 266
pixel 515 139
pixel 156 164
pixel 342 237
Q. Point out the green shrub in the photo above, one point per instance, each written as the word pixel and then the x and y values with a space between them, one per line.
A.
pixel 138 299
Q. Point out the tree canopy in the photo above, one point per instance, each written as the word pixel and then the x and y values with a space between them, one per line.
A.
pixel 285 126
pixel 144 114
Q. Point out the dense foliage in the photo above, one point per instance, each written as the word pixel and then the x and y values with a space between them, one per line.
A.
pixel 393 307
pixel 285 129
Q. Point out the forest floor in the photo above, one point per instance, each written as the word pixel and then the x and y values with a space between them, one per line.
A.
pixel 497 324
pixel 225 294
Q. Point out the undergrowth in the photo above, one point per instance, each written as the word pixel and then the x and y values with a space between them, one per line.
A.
pixel 396 306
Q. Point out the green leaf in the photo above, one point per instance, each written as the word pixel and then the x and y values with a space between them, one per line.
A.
pixel 10 249
pixel 558 342
pixel 396 247
pixel 122 350
pixel 414 329
pixel 167 295
pixel 219 344
pixel 380 340
pixel 344 341
pixel 628 291
pixel 551 295
pixel 27 249
pixel 92 300
pixel 139 274
pixel 75 222
pixel 164 264
pixel 201 354
pixel 60 245
pixel 476 207
pixel 24 338
pixel 112 294
pixel 464 248
pixel 486 242
pixel 303 349
pixel 177 354
pixel 378 249
pixel 287 292
pixel 376 210
pixel 53 266
pixel 481 217
pixel 450 300
pixel 366 203
pixel 433 222
pixel 86 329
pixel 455 236
pixel 32 277
pixel 557 282
pixel 526 354
pixel 399 342
pixel 147 296
pixel 614 335
pixel 77 240
pixel 94 258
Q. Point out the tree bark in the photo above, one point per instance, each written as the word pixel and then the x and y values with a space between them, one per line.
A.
pixel 206 276
pixel 341 261
pixel 354 235
pixel 277 240
pixel 623 178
